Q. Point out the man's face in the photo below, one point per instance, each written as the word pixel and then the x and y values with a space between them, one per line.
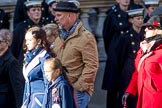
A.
pixel 34 13
pixel 62 19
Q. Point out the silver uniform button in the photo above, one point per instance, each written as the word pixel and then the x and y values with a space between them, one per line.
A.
pixel 115 10
pixel 121 32
pixel 120 23
pixel 133 43
pixel 1 21
pixel 119 16
pixel 134 51
pixel 131 35
pixel 42 9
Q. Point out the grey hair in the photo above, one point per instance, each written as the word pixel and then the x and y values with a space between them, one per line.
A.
pixel 6 35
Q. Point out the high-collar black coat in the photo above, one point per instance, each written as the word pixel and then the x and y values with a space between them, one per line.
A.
pixel 127 48
pixel 11 81
pixel 116 23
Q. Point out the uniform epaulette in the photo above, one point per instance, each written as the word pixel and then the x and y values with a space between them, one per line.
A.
pixel 113 7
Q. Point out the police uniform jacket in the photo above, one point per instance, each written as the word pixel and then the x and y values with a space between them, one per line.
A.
pixel 116 23
pixel 18 37
pixel 128 46
pixel 20 13
pixel 59 93
pixel 34 81
pixel 50 19
pixel 11 81
pixel 4 20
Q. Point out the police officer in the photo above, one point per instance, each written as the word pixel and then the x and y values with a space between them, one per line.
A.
pixel 51 5
pixel 20 11
pixel 4 19
pixel 150 6
pixel 34 18
pixel 116 23
pixel 127 48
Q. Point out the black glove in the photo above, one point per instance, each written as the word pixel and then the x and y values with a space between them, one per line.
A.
pixel 124 99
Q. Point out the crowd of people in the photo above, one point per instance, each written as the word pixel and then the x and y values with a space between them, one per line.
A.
pixel 50 60
pixel 130 73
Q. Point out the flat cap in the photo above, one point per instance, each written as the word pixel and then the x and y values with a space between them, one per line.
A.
pixel 66 7
pixel 76 2
pixel 154 21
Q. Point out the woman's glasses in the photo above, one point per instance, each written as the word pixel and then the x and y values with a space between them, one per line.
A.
pixel 1 41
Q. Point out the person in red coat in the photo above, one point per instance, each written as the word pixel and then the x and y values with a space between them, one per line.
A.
pixel 146 81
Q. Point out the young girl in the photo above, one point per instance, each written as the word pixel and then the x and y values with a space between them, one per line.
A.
pixel 37 52
pixel 58 92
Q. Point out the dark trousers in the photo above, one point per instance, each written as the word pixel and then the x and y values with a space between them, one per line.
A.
pixel 112 99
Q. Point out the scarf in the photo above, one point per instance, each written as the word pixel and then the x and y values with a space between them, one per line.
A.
pixel 148 45
pixel 156 37
pixel 31 54
pixel 65 34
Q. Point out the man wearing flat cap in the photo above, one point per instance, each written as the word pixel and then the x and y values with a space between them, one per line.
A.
pixel 34 12
pixel 77 49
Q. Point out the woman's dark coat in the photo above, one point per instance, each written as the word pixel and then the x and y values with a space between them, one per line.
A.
pixel 11 82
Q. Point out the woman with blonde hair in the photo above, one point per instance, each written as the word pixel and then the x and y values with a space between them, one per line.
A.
pixel 51 33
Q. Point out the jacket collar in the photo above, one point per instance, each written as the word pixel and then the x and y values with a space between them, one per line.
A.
pixel 33 63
